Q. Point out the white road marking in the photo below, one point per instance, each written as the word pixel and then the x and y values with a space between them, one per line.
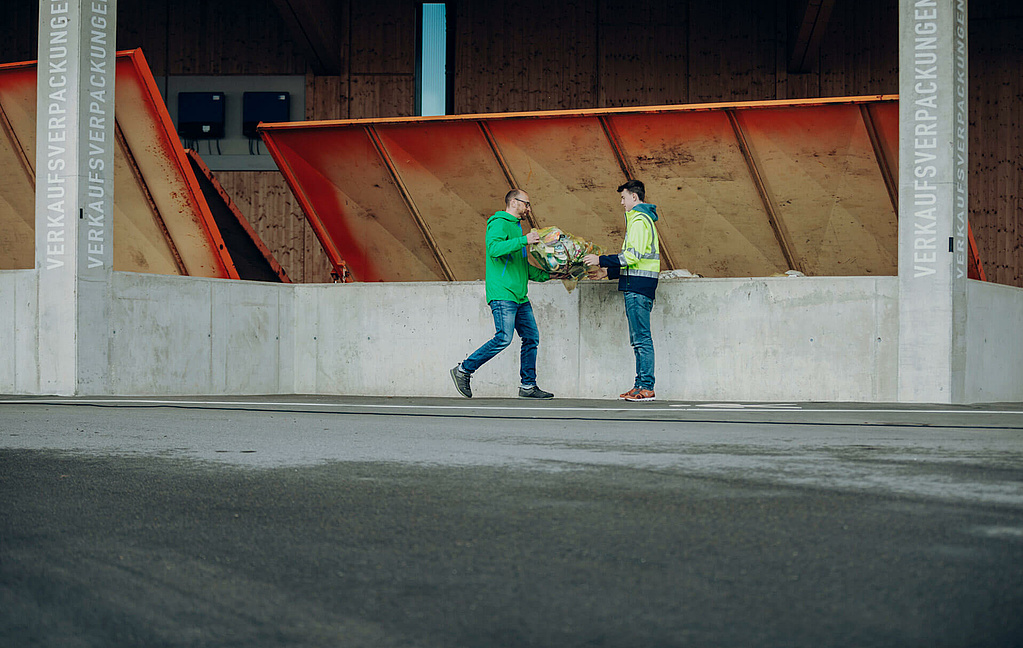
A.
pixel 517 408
pixel 695 408
pixel 728 407
pixel 1014 533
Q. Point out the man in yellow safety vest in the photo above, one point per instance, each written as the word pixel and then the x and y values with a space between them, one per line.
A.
pixel 637 269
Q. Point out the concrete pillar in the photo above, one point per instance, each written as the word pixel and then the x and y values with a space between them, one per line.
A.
pixel 75 140
pixel 933 171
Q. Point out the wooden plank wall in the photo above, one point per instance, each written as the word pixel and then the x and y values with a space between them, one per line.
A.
pixel 860 55
pixel 996 137
pixel 517 55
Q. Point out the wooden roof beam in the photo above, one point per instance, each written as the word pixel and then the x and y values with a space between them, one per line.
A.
pixel 627 169
pixel 499 156
pixel 410 203
pixel 19 150
pixel 808 33
pixel 781 232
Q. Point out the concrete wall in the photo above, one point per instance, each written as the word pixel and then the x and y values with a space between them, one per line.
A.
pixel 765 339
pixel 400 339
pixel 994 329
pixel 180 335
pixel 716 339
pixel 19 332
pixel 777 339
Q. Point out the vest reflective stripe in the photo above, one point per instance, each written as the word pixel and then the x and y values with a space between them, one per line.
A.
pixel 640 256
pixel 632 272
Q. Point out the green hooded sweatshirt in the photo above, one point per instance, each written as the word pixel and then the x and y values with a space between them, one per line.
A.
pixel 507 267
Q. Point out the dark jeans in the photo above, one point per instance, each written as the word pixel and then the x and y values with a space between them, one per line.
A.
pixel 637 310
pixel 508 317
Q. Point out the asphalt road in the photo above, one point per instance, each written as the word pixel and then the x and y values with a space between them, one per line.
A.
pixel 449 523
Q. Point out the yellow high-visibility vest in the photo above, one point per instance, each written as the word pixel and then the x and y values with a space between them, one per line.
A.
pixel 641 250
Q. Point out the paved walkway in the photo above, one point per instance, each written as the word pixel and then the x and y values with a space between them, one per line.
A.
pixel 303 521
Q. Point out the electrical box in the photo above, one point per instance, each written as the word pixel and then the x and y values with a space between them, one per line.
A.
pixel 218 115
pixel 201 115
pixel 264 107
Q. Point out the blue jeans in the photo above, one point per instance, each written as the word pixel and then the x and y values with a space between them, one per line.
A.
pixel 510 316
pixel 637 310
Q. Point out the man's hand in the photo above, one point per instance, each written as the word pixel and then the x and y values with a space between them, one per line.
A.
pixel 532 237
pixel 597 273
pixel 591 260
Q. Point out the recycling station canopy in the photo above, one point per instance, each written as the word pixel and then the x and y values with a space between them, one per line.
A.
pixel 742 189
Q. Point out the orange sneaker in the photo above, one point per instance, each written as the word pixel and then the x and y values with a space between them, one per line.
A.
pixel 631 392
pixel 641 395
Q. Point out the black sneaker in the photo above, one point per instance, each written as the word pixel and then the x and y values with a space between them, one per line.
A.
pixel 461 380
pixel 534 392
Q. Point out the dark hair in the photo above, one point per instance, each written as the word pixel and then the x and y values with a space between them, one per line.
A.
pixel 510 196
pixel 636 187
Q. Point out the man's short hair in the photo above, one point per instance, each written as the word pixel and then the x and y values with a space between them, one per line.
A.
pixel 510 196
pixel 636 187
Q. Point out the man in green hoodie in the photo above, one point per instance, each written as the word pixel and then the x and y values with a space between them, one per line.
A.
pixel 508 273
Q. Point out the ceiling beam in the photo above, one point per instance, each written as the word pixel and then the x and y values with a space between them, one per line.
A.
pixel 883 163
pixel 808 33
pixel 503 163
pixel 627 169
pixel 781 232
pixel 410 203
pixel 140 180
pixel 315 27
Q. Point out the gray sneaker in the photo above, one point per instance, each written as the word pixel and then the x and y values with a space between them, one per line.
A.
pixel 534 392
pixel 461 380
